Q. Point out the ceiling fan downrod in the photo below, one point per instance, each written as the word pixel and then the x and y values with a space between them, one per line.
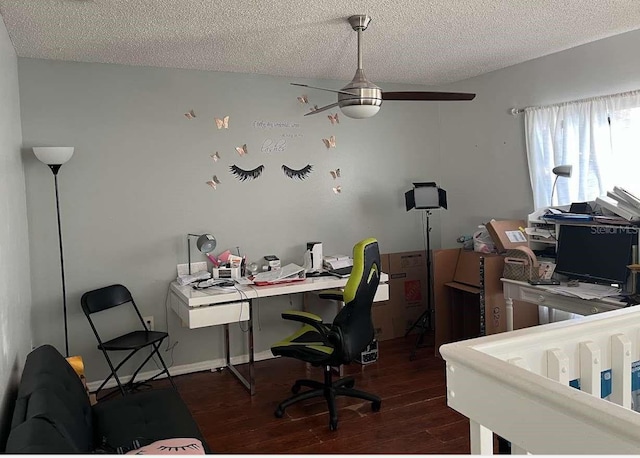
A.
pixel 359 23
pixel 365 97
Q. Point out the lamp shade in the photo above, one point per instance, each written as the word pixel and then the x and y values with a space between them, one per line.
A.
pixel 360 111
pixel 563 171
pixel 53 155
pixel 206 243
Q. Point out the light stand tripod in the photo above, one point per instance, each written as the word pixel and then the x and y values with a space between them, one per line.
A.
pixel 424 323
pixel 425 196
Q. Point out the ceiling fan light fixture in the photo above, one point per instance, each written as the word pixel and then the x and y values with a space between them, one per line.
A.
pixel 361 98
pixel 360 111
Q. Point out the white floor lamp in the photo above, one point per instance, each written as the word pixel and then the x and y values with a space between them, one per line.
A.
pixel 54 157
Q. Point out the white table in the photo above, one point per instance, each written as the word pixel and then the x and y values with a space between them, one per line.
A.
pixel 218 306
pixel 544 295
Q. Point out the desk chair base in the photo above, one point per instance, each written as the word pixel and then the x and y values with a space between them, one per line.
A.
pixel 329 390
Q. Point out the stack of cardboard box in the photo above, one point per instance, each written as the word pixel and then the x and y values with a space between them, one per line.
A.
pixel 407 294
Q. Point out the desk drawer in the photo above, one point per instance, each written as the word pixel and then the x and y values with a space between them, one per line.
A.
pixel 566 303
pixel 211 315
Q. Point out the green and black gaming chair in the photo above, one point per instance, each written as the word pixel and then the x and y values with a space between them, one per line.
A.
pixel 333 344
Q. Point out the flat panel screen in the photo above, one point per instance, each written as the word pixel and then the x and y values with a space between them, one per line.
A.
pixel 426 197
pixel 595 253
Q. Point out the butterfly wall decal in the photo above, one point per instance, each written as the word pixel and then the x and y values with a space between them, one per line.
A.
pixel 335 173
pixel 313 108
pixel 337 189
pixel 330 142
pixel 215 156
pixel 303 99
pixel 213 182
pixel 333 118
pixel 190 114
pixel 242 150
pixel 222 123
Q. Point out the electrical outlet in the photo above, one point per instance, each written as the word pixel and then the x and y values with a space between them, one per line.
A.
pixel 148 320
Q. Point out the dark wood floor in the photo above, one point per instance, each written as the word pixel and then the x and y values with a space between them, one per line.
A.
pixel 414 417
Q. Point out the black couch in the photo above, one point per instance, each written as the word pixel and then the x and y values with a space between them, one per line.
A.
pixel 53 414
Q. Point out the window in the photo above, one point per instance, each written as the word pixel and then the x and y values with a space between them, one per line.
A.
pixel 599 137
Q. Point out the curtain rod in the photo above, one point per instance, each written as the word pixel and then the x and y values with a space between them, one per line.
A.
pixel 517 111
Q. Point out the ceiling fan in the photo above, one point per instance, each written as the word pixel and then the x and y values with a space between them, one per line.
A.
pixel 362 99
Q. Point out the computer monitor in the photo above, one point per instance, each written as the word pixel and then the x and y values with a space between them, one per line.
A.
pixel 595 253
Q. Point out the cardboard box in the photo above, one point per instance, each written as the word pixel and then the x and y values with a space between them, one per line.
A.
pixel 382 317
pixel 407 290
pixel 506 234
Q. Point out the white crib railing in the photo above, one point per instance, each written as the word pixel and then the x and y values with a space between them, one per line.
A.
pixel 516 384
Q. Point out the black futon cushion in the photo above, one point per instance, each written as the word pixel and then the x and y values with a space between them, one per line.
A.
pixel 52 405
pixel 53 414
pixel 147 416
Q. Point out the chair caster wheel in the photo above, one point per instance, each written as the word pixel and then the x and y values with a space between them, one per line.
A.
pixel 333 425
pixel 295 389
pixel 279 413
pixel 375 406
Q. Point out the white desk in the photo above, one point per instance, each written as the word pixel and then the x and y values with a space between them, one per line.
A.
pixel 216 306
pixel 544 295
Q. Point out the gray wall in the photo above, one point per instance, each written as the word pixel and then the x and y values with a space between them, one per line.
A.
pixel 482 146
pixel 15 288
pixel 136 186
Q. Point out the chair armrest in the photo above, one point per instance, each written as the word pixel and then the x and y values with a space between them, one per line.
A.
pixel 302 317
pixel 308 318
pixel 334 294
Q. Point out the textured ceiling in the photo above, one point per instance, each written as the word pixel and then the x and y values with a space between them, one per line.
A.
pixel 416 41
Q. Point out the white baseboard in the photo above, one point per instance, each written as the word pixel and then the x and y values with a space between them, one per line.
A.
pixel 185 369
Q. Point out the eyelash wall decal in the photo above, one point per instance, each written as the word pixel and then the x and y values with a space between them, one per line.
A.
pixel 244 175
pixel 301 174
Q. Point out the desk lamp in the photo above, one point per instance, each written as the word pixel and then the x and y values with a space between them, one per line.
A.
pixel 560 171
pixel 54 157
pixel 206 243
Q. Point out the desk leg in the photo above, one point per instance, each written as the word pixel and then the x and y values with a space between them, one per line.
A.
pixel 509 307
pixel 252 374
pixel 251 383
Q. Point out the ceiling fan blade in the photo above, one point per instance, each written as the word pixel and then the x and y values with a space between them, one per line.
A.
pixel 434 96
pixel 327 107
pixel 323 89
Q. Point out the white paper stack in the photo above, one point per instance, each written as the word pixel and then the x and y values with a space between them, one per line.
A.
pixel 622 203
pixel 286 273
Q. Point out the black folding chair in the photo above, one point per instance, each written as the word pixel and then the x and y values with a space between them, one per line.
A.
pixel 112 296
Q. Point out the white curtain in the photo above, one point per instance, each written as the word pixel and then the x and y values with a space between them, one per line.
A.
pixel 599 137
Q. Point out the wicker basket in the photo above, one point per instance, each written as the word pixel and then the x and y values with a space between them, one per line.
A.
pixel 521 264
